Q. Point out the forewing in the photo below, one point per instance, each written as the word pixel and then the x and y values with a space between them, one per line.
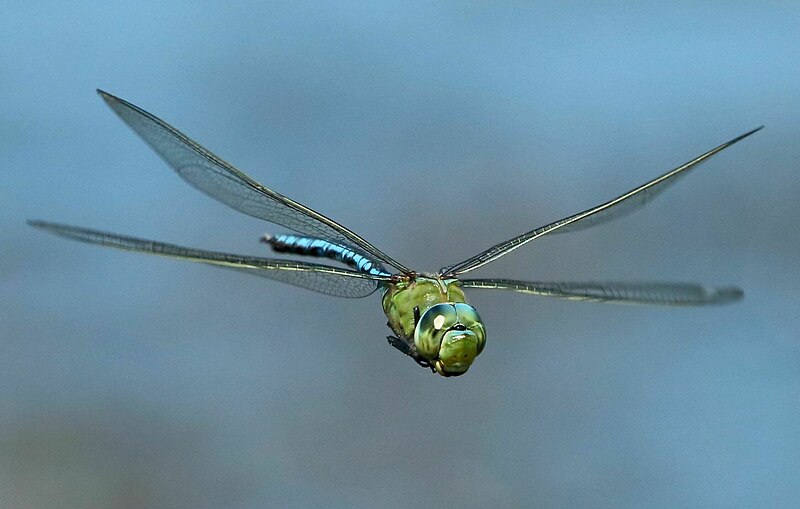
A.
pixel 319 278
pixel 222 181
pixel 672 294
pixel 619 206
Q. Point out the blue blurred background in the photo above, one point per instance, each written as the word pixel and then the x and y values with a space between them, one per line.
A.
pixel 434 132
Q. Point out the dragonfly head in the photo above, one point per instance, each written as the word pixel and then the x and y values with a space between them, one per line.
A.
pixel 450 336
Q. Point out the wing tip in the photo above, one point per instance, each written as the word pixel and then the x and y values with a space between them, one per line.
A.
pixel 114 102
pixel 105 95
pixel 745 135
pixel 49 227
pixel 724 295
pixel 37 223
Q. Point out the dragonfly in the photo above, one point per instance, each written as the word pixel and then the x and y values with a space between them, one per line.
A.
pixel 428 313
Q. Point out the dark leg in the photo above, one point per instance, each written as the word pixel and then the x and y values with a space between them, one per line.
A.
pixel 407 348
pixel 404 347
pixel 399 344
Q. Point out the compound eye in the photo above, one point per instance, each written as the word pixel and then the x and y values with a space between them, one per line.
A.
pixel 468 316
pixel 439 317
pixel 431 329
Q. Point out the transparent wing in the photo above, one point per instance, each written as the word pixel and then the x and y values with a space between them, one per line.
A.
pixel 319 278
pixel 673 294
pixel 220 180
pixel 619 206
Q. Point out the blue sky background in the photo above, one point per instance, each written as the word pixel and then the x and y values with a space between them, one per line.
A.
pixel 434 132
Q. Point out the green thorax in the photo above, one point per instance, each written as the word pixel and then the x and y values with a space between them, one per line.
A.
pixel 400 299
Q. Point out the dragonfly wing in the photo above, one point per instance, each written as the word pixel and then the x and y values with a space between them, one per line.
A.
pixel 619 206
pixel 319 278
pixel 673 294
pixel 222 181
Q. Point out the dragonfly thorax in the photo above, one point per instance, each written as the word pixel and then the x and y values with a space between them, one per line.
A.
pixel 432 315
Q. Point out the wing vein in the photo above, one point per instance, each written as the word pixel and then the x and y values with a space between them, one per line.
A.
pixel 673 294
pixel 222 181
pixel 619 206
pixel 317 277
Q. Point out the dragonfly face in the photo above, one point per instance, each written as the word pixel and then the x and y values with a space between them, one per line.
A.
pixel 429 315
pixel 450 336
pixel 433 323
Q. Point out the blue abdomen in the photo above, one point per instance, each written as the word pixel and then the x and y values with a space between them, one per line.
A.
pixel 308 246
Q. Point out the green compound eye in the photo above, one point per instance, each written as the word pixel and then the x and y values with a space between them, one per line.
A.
pixel 451 336
pixel 468 317
pixel 432 327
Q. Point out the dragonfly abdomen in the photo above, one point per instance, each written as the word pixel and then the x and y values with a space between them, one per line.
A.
pixel 309 246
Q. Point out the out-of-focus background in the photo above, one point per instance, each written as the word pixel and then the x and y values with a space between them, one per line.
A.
pixel 129 381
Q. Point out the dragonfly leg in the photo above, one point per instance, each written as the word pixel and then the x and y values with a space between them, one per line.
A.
pixel 400 344
pixel 406 346
pixel 407 349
